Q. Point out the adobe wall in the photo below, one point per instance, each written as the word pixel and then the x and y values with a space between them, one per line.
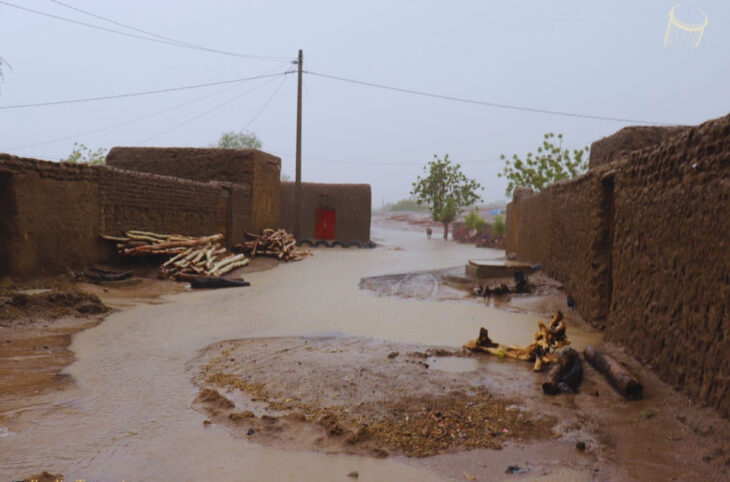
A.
pixel 255 170
pixel 52 218
pixel 133 200
pixel 351 202
pixel 632 138
pixel 671 261
pixel 51 214
pixel 266 193
pixel 642 243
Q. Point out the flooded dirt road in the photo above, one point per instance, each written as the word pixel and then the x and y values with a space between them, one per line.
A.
pixel 130 416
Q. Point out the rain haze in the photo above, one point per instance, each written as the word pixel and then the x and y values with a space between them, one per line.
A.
pixel 604 59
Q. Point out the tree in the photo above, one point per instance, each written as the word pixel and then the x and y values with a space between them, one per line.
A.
pixel 474 221
pixel 550 164
pixel 238 140
pixel 445 190
pixel 498 225
pixel 84 155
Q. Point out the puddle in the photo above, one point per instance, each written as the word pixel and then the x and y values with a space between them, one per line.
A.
pixel 454 364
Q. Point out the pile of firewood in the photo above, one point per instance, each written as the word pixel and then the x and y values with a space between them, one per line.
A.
pixel 279 244
pixel 541 352
pixel 192 256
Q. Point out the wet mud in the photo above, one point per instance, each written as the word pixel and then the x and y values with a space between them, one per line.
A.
pixel 357 396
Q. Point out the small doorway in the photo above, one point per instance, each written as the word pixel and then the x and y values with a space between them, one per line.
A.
pixel 324 227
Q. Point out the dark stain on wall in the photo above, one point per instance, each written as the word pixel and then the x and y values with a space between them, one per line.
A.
pixel 644 245
pixel 351 203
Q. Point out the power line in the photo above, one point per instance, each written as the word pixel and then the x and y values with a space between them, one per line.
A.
pixel 489 104
pixel 197 116
pixel 120 124
pixel 148 92
pixel 266 104
pixel 161 40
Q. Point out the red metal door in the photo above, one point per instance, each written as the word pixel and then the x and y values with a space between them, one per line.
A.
pixel 325 224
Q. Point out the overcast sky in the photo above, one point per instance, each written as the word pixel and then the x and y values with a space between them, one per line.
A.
pixel 598 58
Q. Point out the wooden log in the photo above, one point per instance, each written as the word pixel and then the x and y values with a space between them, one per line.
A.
pixel 565 375
pixel 619 377
pixel 216 282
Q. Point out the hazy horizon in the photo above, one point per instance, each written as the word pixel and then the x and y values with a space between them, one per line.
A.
pixel 577 57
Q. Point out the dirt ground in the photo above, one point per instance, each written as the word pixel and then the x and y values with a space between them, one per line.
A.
pixel 329 367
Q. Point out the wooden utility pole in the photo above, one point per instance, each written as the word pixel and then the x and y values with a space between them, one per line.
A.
pixel 298 193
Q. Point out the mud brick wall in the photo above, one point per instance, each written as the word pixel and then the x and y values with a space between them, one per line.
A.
pixel 671 261
pixel 266 193
pixel 49 217
pixel 132 200
pixel 250 168
pixel 643 243
pixel 351 202
pixel 628 139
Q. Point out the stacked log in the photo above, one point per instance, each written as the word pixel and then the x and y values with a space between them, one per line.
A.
pixel 193 257
pixel 276 243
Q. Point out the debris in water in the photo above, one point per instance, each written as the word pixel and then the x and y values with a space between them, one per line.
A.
pixel 353 474
pixel 581 446
pixel 514 469
pixel 250 432
pixel 547 339
pixel 565 375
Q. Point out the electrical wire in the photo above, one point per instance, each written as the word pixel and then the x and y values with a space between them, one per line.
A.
pixel 120 124
pixel 174 43
pixel 489 104
pixel 266 104
pixel 197 116
pixel 148 92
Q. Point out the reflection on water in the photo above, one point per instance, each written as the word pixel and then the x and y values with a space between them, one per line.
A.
pixel 131 415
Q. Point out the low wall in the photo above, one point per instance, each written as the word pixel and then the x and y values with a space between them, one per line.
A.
pixel 51 214
pixel 642 243
pixel 351 202
pixel 253 169
pixel 50 217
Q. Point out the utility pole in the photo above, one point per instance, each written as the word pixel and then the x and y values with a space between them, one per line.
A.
pixel 298 193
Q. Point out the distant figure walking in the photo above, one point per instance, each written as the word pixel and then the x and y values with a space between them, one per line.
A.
pixel 429 232
pixel 571 302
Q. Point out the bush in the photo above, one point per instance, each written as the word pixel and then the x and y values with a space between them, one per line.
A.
pixel 498 225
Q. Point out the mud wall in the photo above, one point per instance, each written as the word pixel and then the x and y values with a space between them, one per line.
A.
pixel 618 145
pixel 642 243
pixel 158 203
pixel 351 202
pixel 51 214
pixel 250 168
pixel 52 219
pixel 266 193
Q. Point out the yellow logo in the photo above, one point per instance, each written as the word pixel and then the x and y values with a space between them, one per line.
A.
pixel 686 27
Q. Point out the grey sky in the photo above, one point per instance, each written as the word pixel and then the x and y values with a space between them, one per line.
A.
pixel 601 58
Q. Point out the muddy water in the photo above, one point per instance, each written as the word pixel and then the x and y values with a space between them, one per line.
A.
pixel 130 417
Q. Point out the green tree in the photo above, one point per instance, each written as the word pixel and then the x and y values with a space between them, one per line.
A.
pixel 445 190
pixel 84 155
pixel 498 225
pixel 238 140
pixel 474 221
pixel 550 164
